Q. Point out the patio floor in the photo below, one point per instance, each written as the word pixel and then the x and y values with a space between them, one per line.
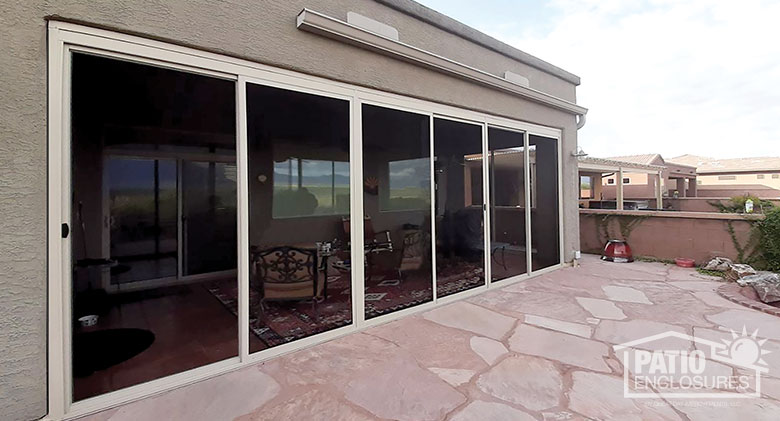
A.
pixel 539 349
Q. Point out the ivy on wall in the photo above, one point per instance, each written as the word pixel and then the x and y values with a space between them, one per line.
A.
pixel 762 247
pixel 614 227
pixel 769 240
pixel 749 251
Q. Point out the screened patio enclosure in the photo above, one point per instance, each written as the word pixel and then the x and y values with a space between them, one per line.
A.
pixel 220 218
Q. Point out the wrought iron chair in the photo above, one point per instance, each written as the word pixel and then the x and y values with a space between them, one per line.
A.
pixel 287 274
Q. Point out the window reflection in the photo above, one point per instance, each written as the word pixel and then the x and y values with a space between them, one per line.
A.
pixel 544 213
pixel 300 282
pixel 154 222
pixel 397 212
pixel 506 160
pixel 460 240
pixel 304 187
pixel 409 185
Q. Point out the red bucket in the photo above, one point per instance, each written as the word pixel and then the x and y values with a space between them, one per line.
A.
pixel 617 251
pixel 685 262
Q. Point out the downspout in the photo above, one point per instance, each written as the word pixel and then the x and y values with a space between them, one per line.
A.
pixel 580 121
pixel 580 124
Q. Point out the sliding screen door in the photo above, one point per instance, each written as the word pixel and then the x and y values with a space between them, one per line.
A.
pixel 136 317
pixel 545 232
pixel 397 209
pixel 460 239
pixel 300 263
pixel 506 168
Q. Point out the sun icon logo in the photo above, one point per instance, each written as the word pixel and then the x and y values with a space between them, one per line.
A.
pixel 745 349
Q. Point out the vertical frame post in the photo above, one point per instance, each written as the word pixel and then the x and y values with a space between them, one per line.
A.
pixel 559 162
pixel 242 163
pixel 432 160
pixel 486 214
pixel 527 187
pixel 58 206
pixel 357 256
pixel 619 189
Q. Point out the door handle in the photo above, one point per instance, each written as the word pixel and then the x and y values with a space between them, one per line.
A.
pixel 65 230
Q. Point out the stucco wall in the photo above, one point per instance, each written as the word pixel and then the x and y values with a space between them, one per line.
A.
pixel 699 204
pixel 665 235
pixel 23 210
pixel 262 31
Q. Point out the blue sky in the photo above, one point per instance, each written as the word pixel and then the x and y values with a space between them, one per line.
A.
pixel 660 76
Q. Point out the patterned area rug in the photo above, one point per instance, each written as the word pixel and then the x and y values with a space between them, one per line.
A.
pixel 288 321
pixel 385 293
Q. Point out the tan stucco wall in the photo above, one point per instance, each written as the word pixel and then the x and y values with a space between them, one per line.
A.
pixel 699 204
pixel 262 31
pixel 742 184
pixel 640 186
pixel 666 235
pixel 633 178
pixel 742 179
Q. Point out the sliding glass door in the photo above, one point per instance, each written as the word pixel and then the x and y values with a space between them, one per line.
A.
pixel 208 217
pixel 299 215
pixel 153 202
pixel 460 222
pixel 397 210
pixel 545 234
pixel 160 201
pixel 142 218
pixel 508 204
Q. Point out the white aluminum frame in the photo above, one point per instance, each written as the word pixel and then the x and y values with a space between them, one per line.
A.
pixel 63 38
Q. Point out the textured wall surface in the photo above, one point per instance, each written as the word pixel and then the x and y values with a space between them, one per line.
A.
pixel 262 31
pixel 696 235
pixel 23 213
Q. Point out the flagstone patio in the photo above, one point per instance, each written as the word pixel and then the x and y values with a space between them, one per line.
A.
pixel 535 350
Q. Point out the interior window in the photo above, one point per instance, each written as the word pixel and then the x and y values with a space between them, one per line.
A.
pixel 306 187
pixel 408 186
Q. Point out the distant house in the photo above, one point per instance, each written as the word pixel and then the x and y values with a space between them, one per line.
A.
pixel 677 179
pixel 734 177
pixel 595 171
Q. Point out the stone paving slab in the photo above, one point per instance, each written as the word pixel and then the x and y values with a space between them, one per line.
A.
pixel 601 309
pixel 567 349
pixel 536 350
pixel 577 329
pixel 533 383
pixel 473 318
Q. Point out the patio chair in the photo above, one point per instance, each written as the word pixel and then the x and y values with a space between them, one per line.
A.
pixel 375 241
pixel 287 274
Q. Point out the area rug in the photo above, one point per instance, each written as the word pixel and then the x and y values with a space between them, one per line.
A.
pixel 385 293
pixel 289 321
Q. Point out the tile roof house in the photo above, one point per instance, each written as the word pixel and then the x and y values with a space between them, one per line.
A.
pixel 643 178
pixel 730 177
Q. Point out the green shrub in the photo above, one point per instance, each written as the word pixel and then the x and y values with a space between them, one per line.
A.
pixel 737 204
pixel 769 243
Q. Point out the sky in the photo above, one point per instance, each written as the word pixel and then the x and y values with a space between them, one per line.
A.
pixel 672 77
